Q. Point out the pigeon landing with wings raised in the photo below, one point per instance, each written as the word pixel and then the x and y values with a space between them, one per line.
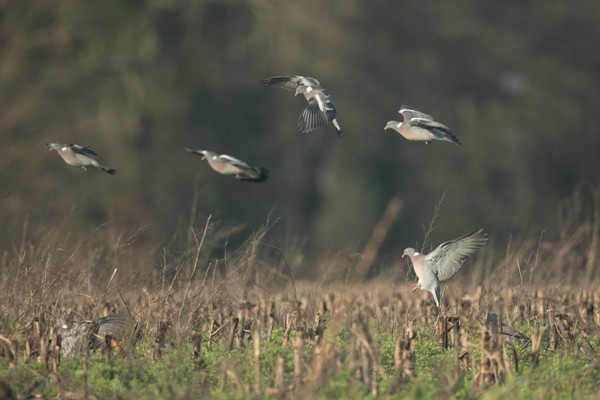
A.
pixel 418 126
pixel 320 109
pixel 91 333
pixel 79 156
pixel 227 165
pixel 444 261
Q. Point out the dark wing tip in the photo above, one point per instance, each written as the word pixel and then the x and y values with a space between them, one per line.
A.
pixel 444 134
pixel 264 174
pixel 277 79
pixel 455 140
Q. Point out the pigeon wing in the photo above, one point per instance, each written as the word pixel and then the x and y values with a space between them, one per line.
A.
pixel 440 131
pixel 86 151
pixel 234 162
pixel 449 256
pixel 409 112
pixel 312 117
pixel 428 124
pixel 290 82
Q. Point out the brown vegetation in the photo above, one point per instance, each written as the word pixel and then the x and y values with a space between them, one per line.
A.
pixel 240 299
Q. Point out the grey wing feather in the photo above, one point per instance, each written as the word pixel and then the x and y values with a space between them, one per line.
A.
pixel 290 82
pixel 449 256
pixel 312 117
pixel 113 324
pixel 410 112
pixel 234 161
pixel 256 174
pixel 86 151
pixel 437 129
pixel 428 124
pixel 308 81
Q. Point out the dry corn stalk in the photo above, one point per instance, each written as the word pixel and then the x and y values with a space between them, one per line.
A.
pixel 536 345
pixel 449 331
pixel 494 366
pixel 560 330
pixel 364 357
pixel 404 358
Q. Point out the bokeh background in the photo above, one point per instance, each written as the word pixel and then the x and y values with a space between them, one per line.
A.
pixel 139 80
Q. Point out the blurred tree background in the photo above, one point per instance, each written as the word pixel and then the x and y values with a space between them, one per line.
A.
pixel 139 80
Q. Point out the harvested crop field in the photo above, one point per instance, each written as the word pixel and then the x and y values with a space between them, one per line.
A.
pixel 240 325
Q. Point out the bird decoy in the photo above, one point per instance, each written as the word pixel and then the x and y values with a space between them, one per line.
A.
pixel 510 334
pixel 320 109
pixel 443 262
pixel 228 165
pixel 418 126
pixel 79 156
pixel 91 333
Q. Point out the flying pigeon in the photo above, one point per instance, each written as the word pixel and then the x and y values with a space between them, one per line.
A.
pixel 320 109
pixel 79 156
pixel 444 261
pixel 418 126
pixel 228 165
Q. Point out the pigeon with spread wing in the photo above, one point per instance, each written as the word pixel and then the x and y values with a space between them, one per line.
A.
pixel 320 109
pixel 444 261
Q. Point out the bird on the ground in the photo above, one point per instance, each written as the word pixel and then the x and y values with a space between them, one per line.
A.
pixel 79 156
pixel 510 334
pixel 443 262
pixel 91 333
pixel 418 126
pixel 320 109
pixel 228 165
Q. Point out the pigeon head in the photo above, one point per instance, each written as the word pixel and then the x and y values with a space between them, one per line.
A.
pixel 410 252
pixel 53 146
pixel 391 125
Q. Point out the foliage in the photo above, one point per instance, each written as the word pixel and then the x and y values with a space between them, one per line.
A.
pixel 140 80
pixel 179 375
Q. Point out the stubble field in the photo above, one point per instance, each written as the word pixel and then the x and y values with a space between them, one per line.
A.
pixel 204 322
